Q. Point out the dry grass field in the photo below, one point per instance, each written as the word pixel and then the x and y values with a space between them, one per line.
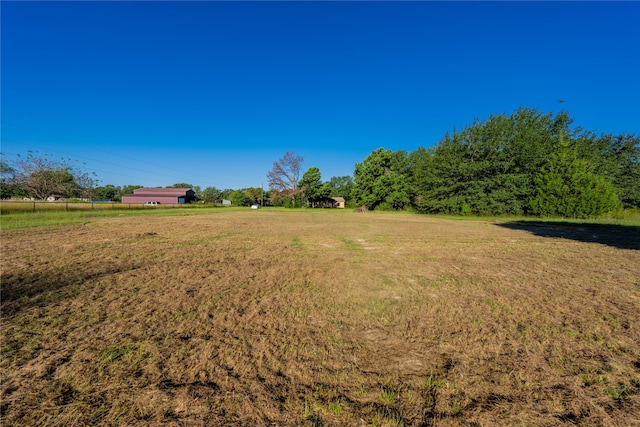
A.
pixel 319 318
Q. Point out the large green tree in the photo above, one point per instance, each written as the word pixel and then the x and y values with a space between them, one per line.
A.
pixel 378 183
pixel 420 176
pixel 568 187
pixel 486 168
pixel 616 157
pixel 312 187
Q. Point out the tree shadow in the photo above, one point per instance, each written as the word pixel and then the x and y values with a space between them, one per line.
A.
pixel 22 290
pixel 617 236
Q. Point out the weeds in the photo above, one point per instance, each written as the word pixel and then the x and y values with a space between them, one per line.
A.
pixel 297 243
pixel 350 244
pixel 591 379
pixel 131 353
pixel 456 407
pixel 619 392
pixel 432 383
pixel 387 395
pixel 335 407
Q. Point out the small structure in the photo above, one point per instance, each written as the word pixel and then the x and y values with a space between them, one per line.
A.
pixel 161 195
pixel 327 202
pixel 339 202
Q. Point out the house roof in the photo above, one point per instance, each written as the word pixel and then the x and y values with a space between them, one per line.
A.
pixel 338 199
pixel 160 191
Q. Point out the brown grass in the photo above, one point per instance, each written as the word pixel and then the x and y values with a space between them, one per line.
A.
pixel 322 318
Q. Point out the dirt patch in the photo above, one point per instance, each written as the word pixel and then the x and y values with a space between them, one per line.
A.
pixel 317 318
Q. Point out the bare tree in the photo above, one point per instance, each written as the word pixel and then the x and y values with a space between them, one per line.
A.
pixel 285 174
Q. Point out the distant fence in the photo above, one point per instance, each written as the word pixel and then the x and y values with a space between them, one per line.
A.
pixel 11 206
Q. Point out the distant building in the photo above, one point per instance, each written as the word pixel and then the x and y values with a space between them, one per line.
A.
pixel 339 202
pixel 169 196
pixel 327 202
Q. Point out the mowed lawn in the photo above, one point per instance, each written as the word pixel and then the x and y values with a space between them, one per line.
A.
pixel 319 318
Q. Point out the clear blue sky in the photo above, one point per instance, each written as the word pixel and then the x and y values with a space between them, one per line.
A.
pixel 212 93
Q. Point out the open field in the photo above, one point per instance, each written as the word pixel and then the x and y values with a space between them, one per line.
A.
pixel 13 218
pixel 319 318
pixel 8 206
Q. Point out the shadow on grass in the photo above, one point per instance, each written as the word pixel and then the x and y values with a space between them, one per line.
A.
pixel 24 289
pixel 617 236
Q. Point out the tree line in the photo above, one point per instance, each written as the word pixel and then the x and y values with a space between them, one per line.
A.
pixel 39 176
pixel 290 190
pixel 525 163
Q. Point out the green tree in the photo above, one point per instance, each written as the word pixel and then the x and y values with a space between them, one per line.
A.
pixel 341 186
pixel 110 192
pixel 243 197
pixel 618 159
pixel 129 189
pixel 254 194
pixel 377 184
pixel 279 199
pixel 420 176
pixel 224 194
pixel 567 186
pixel 312 187
pixel 239 198
pixel 211 194
pixel 488 167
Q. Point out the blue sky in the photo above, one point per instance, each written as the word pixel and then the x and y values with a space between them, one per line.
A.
pixel 212 93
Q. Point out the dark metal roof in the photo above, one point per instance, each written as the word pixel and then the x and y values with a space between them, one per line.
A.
pixel 161 191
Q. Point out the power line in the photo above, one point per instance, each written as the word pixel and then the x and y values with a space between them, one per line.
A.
pixel 173 177
pixel 62 140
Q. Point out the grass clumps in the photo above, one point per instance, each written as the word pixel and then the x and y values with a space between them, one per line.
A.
pixel 386 320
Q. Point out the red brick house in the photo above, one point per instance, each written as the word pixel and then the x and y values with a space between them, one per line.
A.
pixel 170 196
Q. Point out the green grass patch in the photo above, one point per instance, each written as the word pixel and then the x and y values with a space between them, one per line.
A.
pixel 133 353
pixel 352 245
pixel 14 219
